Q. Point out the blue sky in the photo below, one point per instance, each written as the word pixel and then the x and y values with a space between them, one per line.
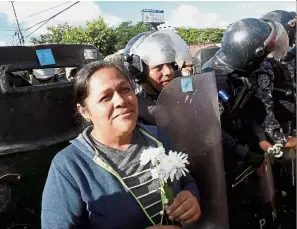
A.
pixel 131 10
pixel 198 14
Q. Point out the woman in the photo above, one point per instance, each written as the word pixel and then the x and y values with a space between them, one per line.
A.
pixel 84 188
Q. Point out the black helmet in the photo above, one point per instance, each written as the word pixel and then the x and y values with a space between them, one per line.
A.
pixel 155 48
pixel 286 19
pixel 293 13
pixel 202 56
pixel 246 43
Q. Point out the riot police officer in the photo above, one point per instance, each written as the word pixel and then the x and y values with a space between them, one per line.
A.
pixel 184 59
pixel 154 69
pixel 244 46
pixel 152 59
pixel 244 92
pixel 283 73
pixel 267 80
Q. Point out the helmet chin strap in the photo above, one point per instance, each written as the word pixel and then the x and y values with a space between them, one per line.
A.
pixel 149 88
pixel 146 84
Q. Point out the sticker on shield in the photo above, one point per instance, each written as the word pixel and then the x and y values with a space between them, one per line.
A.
pixel 45 57
pixel 90 54
pixel 186 84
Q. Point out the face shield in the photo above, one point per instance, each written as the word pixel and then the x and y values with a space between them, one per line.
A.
pixel 130 44
pixel 217 63
pixel 162 47
pixel 203 55
pixel 155 49
pixel 183 55
pixel 279 44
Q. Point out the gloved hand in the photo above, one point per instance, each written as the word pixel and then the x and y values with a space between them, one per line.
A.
pixel 254 159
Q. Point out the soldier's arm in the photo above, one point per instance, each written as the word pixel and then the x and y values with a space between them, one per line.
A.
pixel 241 152
pixel 258 131
pixel 270 124
pixel 233 145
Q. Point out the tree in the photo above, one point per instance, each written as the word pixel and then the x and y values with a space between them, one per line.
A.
pixel 125 31
pixel 108 40
pixel 196 36
pixel 95 32
pixel 54 36
pixel 99 34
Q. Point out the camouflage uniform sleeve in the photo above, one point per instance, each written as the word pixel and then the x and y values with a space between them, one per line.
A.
pixel 264 88
pixel 291 65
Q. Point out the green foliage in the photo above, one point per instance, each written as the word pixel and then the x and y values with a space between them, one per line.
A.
pixel 196 36
pixel 109 40
pixel 96 32
pixel 125 31
pixel 54 36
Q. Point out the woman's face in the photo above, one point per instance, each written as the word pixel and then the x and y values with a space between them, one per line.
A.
pixel 160 75
pixel 111 105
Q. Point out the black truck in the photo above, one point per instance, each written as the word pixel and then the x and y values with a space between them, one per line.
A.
pixel 36 121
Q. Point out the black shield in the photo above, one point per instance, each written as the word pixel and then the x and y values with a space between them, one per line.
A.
pixel 191 119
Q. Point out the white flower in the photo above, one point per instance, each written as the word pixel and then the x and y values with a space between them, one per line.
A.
pixel 278 151
pixel 173 166
pixel 152 154
pixel 154 172
pixel 275 151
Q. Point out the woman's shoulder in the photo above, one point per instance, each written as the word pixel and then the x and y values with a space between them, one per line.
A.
pixel 152 130
pixel 67 152
pixel 70 157
pixel 157 133
pixel 147 127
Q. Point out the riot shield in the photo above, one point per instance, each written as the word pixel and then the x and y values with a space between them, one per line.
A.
pixel 187 111
pixel 251 197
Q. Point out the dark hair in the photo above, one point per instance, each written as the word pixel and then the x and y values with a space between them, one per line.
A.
pixel 82 78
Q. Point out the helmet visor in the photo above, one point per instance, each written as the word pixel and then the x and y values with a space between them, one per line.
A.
pixel 155 49
pixel 281 43
pixel 183 54
pixel 217 63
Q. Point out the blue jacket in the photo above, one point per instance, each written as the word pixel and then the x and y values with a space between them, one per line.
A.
pixel 80 194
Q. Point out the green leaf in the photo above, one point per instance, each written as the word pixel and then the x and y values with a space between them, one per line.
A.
pixel 168 193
